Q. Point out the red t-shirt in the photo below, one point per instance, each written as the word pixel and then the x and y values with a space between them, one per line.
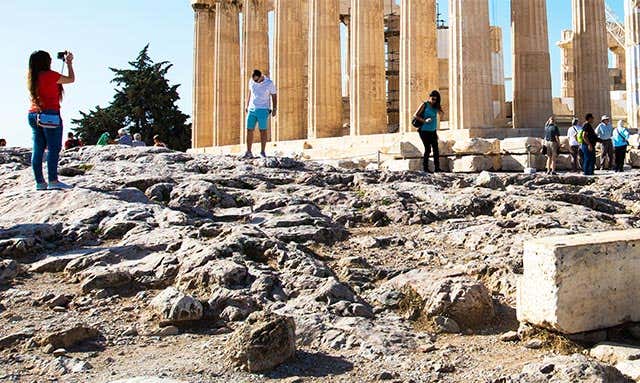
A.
pixel 48 91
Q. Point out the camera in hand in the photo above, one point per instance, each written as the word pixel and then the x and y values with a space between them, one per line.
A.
pixel 62 55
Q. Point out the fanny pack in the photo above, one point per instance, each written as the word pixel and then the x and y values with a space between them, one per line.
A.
pixel 49 120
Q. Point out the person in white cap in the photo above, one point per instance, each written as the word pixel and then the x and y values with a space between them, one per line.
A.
pixel 124 138
pixel 605 134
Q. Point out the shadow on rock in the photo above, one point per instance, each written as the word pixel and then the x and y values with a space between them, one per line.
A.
pixel 307 364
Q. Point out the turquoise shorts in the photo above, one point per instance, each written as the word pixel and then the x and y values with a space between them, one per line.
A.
pixel 258 116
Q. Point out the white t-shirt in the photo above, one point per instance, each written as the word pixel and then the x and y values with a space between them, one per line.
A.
pixel 261 93
pixel 572 133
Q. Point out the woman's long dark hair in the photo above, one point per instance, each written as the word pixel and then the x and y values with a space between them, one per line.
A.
pixel 437 105
pixel 39 61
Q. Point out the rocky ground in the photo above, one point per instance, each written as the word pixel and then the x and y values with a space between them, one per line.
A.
pixel 197 269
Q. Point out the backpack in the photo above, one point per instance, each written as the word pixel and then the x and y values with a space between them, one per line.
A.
pixel 580 137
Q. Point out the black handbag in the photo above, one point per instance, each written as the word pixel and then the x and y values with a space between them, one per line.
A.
pixel 415 121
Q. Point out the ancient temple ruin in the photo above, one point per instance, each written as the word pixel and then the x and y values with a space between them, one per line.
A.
pixel 395 53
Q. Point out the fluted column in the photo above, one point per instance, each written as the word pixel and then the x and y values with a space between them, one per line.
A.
pixel 470 65
pixel 255 47
pixel 532 99
pixel 591 58
pixel 203 71
pixel 368 88
pixel 290 58
pixel 419 72
pixel 227 94
pixel 325 75
pixel 498 97
pixel 632 27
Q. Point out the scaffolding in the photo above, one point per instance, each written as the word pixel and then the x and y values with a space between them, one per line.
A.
pixel 615 27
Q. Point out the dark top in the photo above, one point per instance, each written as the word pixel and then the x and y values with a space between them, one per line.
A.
pixel 590 133
pixel 551 132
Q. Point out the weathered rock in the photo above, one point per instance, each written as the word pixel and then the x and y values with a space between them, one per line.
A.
pixel 146 379
pixel 265 341
pixel 9 269
pixel 573 368
pixel 489 180
pixel 580 283
pixel 102 278
pixel 70 337
pixel 197 197
pixel 624 357
pixel 175 306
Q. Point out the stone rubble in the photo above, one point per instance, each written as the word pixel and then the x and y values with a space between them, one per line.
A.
pixel 173 259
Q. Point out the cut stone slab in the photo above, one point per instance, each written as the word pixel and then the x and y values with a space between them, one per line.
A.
pixel 474 164
pixel 519 162
pixel 518 145
pixel 478 146
pixel 414 164
pixel 580 283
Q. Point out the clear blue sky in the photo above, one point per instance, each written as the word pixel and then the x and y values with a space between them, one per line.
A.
pixel 105 34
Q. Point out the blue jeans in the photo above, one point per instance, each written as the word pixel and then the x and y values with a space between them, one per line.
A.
pixel 50 139
pixel 588 160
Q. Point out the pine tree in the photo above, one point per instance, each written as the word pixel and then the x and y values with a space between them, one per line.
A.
pixel 144 103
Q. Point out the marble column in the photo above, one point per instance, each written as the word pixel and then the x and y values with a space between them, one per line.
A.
pixel 567 65
pixel 632 27
pixel 368 85
pixel 470 65
pixel 289 68
pixel 255 47
pixel 392 40
pixel 591 58
pixel 325 75
pixel 498 91
pixel 227 94
pixel 419 66
pixel 203 71
pixel 532 98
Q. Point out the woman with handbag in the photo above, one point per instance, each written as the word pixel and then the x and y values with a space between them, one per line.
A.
pixel 426 121
pixel 45 89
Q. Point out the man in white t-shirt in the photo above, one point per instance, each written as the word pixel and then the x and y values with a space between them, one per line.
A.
pixel 261 102
pixel 574 145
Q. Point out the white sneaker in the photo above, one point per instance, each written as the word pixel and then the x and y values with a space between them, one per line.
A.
pixel 247 156
pixel 57 185
pixel 263 154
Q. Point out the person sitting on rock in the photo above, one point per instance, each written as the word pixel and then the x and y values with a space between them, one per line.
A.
pixel 104 139
pixel 71 142
pixel 124 138
pixel 158 143
pixel 137 141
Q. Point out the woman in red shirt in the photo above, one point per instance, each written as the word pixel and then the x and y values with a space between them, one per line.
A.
pixel 45 88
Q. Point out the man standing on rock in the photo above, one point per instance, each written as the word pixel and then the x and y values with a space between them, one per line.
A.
pixel 261 102
pixel 605 134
